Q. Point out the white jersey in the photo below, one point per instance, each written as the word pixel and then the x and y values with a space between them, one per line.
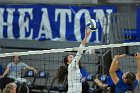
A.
pixel 74 74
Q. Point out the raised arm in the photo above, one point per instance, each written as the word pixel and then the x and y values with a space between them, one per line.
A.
pixel 80 51
pixel 112 69
pixel 87 32
pixel 137 56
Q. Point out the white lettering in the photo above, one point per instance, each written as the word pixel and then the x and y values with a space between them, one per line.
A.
pixel 45 28
pixel 9 24
pixel 1 22
pixel 63 13
pixel 24 23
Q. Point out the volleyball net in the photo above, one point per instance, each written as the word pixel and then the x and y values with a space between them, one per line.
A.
pixel 95 59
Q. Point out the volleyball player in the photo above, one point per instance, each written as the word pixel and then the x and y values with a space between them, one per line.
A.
pixel 108 83
pixel 129 80
pixel 72 68
pixel 72 63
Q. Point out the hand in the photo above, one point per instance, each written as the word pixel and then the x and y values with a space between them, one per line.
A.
pixel 105 86
pixel 31 68
pixel 35 71
pixel 87 31
pixel 120 56
pixel 83 79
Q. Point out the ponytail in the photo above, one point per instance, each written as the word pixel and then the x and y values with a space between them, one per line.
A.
pixel 62 74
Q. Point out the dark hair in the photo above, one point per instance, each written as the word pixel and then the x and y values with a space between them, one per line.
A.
pixel 22 88
pixel 63 70
pixel 131 77
pixel 62 74
pixel 66 60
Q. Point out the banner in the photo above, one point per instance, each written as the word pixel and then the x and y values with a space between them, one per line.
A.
pixel 138 24
pixel 51 22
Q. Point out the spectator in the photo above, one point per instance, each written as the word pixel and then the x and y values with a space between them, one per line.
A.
pixel 14 71
pixel 10 88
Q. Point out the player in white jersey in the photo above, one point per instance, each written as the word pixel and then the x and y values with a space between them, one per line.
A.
pixel 74 74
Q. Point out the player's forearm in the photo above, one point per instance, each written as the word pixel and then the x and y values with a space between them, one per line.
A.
pixel 137 56
pixel 87 32
pixel 113 66
pixel 98 82
pixel 5 72
pixel 84 41
pixel 138 65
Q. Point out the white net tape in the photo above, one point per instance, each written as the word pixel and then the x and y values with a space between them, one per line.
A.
pixel 70 49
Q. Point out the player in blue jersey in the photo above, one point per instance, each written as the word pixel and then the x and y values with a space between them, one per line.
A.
pixel 106 83
pixel 129 80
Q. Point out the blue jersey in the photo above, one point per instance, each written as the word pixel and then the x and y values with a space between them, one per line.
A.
pixel 1 70
pixel 109 80
pixel 83 72
pixel 122 87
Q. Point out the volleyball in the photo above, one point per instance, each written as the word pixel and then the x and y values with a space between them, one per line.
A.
pixel 92 25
